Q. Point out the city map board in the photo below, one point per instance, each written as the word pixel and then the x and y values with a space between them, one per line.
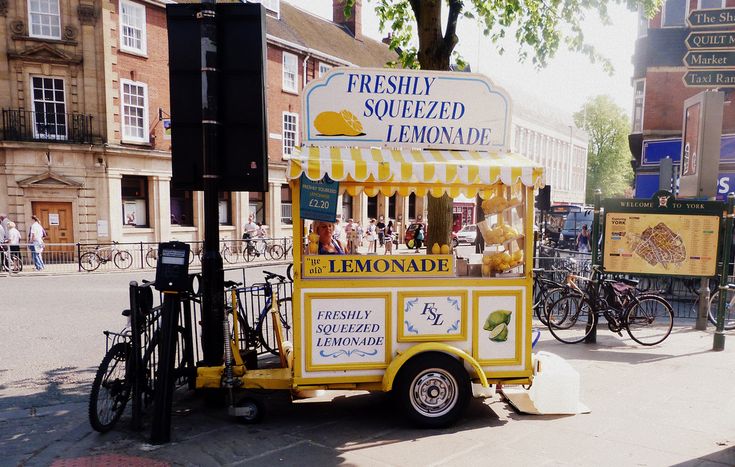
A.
pixel 661 236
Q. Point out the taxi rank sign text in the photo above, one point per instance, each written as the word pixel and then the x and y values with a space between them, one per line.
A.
pixel 406 108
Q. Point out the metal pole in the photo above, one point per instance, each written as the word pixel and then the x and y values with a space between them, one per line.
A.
pixel 164 383
pixel 592 337
pixel 212 274
pixel 135 327
pixel 719 339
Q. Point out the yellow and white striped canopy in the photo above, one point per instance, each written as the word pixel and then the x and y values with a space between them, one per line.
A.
pixel 420 171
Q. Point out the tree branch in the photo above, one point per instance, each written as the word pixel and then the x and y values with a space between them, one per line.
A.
pixel 450 35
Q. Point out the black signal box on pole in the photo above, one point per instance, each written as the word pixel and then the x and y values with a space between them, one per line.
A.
pixel 242 159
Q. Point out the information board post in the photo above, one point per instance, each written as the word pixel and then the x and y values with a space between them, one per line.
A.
pixel 718 343
pixel 592 336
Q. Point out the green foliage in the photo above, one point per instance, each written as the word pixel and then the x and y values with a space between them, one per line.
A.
pixel 608 156
pixel 540 27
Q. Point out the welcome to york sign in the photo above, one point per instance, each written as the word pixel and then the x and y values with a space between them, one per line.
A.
pixel 406 108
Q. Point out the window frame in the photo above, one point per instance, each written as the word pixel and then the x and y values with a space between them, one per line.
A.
pixel 284 139
pixel 144 30
pixel 323 69
pixel 184 198
pixel 638 128
pixel 146 134
pixel 57 15
pixel 287 86
pixel 684 19
pixel 145 196
pixel 36 134
pixel 722 5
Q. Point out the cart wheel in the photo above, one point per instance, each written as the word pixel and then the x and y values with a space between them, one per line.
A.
pixel 257 410
pixel 433 390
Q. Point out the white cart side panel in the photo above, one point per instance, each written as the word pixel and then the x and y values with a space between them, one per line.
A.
pixel 356 332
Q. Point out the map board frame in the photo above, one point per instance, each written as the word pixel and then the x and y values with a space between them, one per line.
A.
pixel 695 225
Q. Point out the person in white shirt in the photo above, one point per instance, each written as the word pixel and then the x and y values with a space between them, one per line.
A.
pixel 35 240
pixel 249 229
pixel 13 239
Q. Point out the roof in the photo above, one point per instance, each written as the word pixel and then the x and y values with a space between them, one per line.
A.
pixel 310 31
pixel 412 170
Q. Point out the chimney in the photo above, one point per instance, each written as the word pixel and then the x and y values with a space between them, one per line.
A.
pixel 354 22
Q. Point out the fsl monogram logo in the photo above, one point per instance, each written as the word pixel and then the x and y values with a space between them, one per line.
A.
pixel 430 312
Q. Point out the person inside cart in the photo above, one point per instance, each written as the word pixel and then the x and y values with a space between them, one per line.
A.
pixel 328 244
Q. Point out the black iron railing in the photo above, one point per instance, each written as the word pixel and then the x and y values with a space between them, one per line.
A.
pixel 24 125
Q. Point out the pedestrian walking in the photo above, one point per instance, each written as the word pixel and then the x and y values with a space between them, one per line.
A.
pixel 35 243
pixel 13 239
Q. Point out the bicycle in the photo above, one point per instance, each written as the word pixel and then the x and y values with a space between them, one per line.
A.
pixel 714 303
pixel 648 318
pixel 259 333
pixel 113 382
pixel 91 260
pixel 11 261
pixel 546 290
pixel 256 247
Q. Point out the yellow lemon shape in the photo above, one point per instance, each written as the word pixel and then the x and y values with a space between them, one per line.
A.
pixel 343 123
pixel 445 249
pixel 435 249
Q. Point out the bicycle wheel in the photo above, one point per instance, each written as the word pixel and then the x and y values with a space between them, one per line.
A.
pixel 110 389
pixel 729 309
pixel 16 265
pixel 571 319
pixel 227 255
pixel 266 334
pixel 123 259
pixel 89 261
pixel 151 258
pixel 548 297
pixel 250 252
pixel 182 366
pixel 649 319
pixel 275 252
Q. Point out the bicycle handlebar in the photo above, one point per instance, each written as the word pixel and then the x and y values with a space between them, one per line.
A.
pixel 272 275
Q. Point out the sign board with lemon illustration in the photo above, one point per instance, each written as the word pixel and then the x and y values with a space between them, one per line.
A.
pixel 406 108
pixel 500 321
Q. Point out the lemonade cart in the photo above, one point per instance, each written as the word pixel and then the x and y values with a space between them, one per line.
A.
pixel 436 328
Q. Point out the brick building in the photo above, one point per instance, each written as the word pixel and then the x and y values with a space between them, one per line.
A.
pixel 659 93
pixel 84 99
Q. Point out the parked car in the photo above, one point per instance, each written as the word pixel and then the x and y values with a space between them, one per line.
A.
pixel 572 226
pixel 467 234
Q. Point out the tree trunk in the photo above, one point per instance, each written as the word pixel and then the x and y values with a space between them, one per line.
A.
pixel 434 53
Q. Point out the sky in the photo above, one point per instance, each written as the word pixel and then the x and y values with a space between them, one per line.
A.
pixel 568 80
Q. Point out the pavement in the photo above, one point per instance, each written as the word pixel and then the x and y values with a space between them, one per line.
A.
pixel 671 404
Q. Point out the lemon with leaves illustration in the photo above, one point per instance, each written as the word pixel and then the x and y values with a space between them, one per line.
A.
pixel 343 123
pixel 499 333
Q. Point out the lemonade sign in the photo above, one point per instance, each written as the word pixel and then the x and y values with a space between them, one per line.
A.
pixel 406 108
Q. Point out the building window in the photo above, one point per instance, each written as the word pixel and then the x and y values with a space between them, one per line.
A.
pixel 639 94
pixel 135 200
pixel 132 27
pixel 674 13
pixel 225 208
pixel 134 97
pixel 290 72
pixel 49 108
pixel 711 4
pixel 182 207
pixel 44 18
pixel 290 132
pixel 642 22
pixel 286 217
pixel 257 206
pixel 323 69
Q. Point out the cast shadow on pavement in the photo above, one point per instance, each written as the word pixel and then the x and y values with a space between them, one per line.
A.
pixel 723 457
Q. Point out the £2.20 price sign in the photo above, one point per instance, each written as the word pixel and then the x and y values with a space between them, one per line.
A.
pixel 319 199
